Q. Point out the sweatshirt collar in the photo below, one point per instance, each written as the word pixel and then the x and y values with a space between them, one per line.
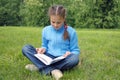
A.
pixel 60 29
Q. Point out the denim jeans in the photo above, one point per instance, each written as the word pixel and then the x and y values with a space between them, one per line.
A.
pixel 69 62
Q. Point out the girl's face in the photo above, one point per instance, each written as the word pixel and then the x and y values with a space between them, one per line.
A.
pixel 56 21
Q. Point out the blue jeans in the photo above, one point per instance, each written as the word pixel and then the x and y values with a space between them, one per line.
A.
pixel 65 64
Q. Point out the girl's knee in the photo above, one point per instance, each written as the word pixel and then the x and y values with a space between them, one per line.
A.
pixel 26 48
pixel 74 59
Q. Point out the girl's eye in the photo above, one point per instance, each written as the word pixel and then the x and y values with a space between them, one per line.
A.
pixel 53 22
pixel 58 22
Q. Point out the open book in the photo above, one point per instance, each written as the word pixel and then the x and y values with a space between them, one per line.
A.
pixel 47 60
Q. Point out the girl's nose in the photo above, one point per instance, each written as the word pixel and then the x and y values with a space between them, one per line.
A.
pixel 55 24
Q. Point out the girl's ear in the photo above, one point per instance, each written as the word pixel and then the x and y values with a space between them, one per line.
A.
pixel 64 19
pixel 65 16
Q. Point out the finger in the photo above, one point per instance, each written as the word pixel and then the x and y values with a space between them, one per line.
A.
pixel 43 50
pixel 36 49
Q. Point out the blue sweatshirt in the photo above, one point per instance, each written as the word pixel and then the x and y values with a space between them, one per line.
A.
pixel 53 42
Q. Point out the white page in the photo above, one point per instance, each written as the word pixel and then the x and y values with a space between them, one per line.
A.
pixel 47 60
pixel 58 59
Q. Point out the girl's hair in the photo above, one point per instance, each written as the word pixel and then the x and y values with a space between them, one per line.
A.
pixel 61 11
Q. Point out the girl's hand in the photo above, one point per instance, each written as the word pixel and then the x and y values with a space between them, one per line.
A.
pixel 67 53
pixel 40 50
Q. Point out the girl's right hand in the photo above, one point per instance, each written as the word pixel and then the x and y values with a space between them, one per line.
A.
pixel 40 50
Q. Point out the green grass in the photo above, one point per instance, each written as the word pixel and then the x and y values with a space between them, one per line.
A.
pixel 100 54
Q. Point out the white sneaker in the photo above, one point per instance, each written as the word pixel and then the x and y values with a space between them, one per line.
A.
pixel 31 67
pixel 57 74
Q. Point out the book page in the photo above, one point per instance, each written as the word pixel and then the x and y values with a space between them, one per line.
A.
pixel 58 59
pixel 47 60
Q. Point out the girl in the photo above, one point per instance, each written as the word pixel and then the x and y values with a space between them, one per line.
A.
pixel 58 39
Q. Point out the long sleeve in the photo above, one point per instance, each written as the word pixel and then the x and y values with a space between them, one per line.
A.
pixel 44 40
pixel 74 48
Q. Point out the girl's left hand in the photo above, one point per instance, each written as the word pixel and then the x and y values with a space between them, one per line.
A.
pixel 40 50
pixel 67 53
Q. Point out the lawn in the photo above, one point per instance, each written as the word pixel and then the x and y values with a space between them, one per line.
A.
pixel 100 54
